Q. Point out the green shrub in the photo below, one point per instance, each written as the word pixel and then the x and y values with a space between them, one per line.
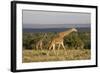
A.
pixel 74 40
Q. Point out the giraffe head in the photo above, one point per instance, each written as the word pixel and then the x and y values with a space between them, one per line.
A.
pixel 73 29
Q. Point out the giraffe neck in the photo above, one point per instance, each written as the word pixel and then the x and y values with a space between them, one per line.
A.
pixel 65 33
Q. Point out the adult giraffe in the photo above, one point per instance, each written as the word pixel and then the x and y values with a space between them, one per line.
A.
pixel 59 40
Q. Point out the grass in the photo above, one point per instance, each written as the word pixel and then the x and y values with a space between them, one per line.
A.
pixel 61 55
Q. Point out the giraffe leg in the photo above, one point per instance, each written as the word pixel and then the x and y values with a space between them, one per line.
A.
pixel 63 45
pixel 64 48
pixel 54 48
pixel 49 49
pixel 41 46
pixel 58 48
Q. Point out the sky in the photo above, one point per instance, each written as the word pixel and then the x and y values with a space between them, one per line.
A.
pixel 52 19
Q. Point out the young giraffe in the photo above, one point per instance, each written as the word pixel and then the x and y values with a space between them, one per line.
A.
pixel 58 40
pixel 39 44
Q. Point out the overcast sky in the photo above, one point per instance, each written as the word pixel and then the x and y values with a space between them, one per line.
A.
pixel 46 19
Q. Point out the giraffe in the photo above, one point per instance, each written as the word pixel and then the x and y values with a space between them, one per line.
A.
pixel 58 40
pixel 39 44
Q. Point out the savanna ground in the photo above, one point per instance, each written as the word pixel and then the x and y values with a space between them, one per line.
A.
pixel 69 54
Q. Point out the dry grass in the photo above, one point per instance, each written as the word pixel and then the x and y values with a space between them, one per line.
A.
pixel 41 55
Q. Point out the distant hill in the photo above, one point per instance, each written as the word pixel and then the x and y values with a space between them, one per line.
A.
pixel 34 26
pixel 54 29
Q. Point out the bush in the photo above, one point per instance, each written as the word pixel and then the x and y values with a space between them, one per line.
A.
pixel 74 40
